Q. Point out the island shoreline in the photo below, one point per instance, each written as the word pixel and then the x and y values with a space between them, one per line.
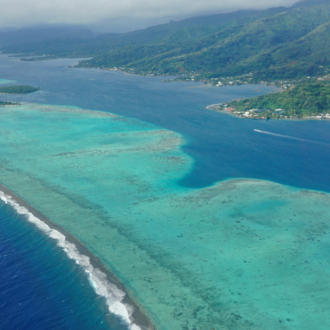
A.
pixel 291 119
pixel 139 318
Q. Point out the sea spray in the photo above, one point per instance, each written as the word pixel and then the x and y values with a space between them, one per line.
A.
pixel 98 280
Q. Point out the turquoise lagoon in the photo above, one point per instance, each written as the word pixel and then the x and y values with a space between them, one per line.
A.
pixel 5 81
pixel 239 254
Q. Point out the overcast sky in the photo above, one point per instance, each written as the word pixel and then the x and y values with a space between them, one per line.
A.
pixel 19 13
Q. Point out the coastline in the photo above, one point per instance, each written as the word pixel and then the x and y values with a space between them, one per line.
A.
pixel 138 319
pixel 236 116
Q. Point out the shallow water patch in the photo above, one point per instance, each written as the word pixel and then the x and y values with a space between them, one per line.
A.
pixel 242 254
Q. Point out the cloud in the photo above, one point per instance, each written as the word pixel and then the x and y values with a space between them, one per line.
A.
pixel 33 12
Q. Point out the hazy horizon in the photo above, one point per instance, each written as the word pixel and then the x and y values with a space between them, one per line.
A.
pixel 112 16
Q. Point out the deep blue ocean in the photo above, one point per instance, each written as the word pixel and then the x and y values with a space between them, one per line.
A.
pixel 39 287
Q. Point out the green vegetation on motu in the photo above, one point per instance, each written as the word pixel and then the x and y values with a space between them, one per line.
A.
pixel 4 103
pixel 304 100
pixel 22 89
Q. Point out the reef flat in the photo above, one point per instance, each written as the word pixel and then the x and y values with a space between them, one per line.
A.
pixel 242 254
pixel 5 81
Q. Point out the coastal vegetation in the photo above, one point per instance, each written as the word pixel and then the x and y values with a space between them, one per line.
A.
pixel 39 58
pixel 21 89
pixel 308 100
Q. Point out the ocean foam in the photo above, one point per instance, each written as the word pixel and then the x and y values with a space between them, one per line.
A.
pixel 290 137
pixel 98 280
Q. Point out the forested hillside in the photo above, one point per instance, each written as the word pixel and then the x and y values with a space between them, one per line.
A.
pixel 277 43
pixel 286 44
pixel 189 29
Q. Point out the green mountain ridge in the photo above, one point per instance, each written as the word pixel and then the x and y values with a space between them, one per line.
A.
pixel 282 45
pixel 277 43
pixel 110 41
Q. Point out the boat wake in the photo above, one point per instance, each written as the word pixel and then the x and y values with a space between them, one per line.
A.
pixel 112 294
pixel 290 137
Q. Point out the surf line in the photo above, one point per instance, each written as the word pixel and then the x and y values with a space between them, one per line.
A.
pixel 110 292
pixel 290 137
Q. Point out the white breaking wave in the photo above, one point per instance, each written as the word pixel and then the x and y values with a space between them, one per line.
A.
pixel 96 277
pixel 289 137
